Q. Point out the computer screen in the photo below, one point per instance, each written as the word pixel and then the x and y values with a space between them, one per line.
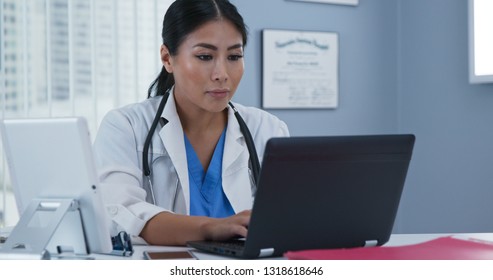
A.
pixel 52 159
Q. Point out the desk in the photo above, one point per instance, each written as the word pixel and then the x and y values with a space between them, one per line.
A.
pixel 395 240
pixel 380 270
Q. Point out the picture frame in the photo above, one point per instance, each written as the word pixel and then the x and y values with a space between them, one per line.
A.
pixel 299 69
pixel 339 2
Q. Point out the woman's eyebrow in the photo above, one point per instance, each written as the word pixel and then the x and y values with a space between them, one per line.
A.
pixel 214 48
pixel 237 46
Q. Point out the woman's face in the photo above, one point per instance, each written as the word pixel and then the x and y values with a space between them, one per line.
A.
pixel 207 67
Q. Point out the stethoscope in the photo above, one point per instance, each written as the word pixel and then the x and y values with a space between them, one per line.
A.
pixel 254 161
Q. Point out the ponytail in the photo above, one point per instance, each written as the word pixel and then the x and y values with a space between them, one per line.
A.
pixel 161 84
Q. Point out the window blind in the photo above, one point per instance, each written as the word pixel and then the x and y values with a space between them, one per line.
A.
pixel 74 58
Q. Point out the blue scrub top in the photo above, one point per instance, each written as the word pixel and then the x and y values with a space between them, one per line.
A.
pixel 207 197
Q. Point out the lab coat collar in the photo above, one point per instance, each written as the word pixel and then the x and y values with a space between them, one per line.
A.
pixel 173 140
pixel 236 144
pixel 239 193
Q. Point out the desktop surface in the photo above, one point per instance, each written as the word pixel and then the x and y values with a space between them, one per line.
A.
pixel 395 240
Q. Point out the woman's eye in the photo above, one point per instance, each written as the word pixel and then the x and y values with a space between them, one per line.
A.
pixel 204 57
pixel 235 57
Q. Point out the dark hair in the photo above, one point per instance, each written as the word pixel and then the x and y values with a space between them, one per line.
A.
pixel 182 18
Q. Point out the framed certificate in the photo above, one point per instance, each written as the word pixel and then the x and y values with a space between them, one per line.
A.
pixel 300 69
pixel 340 2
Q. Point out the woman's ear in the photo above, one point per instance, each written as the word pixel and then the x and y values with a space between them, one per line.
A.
pixel 166 59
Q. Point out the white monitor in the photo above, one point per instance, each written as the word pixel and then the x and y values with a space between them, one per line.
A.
pixel 51 160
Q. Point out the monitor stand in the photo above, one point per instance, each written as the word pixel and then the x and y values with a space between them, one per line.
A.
pixel 30 238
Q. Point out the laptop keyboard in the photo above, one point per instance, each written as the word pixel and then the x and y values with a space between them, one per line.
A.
pixel 236 245
pixel 230 247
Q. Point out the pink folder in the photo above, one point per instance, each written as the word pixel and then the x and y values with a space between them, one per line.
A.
pixel 443 248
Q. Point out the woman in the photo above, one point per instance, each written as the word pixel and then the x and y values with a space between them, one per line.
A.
pixel 200 184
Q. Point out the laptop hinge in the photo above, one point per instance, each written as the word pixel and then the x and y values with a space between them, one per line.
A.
pixel 371 243
pixel 266 252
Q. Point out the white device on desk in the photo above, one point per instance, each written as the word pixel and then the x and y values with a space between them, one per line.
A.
pixel 56 188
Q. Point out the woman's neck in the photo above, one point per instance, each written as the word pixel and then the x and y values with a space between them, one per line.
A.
pixel 203 130
pixel 200 121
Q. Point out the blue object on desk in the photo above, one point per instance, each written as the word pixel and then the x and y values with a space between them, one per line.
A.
pixel 122 245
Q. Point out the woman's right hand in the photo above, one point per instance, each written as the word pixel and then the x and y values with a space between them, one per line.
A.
pixel 227 228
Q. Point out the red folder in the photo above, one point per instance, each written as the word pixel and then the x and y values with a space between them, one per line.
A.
pixel 443 248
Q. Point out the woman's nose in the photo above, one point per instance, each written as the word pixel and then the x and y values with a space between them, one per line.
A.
pixel 220 71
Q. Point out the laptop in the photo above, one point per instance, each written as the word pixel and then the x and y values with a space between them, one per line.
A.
pixel 323 192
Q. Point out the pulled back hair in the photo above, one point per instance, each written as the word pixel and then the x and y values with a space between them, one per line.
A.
pixel 184 17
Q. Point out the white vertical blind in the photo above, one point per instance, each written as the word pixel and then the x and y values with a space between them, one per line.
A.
pixel 71 62
pixel 25 58
pixel 3 200
pixel 74 57
pixel 94 89
pixel 48 58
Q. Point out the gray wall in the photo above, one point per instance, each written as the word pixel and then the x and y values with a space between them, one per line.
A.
pixel 450 187
pixel 403 69
pixel 367 76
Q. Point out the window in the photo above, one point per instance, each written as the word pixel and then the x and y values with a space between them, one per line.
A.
pixel 480 41
pixel 64 58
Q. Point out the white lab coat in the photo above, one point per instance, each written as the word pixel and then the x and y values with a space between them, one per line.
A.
pixel 118 150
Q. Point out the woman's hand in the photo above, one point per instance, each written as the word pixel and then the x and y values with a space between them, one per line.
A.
pixel 226 228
